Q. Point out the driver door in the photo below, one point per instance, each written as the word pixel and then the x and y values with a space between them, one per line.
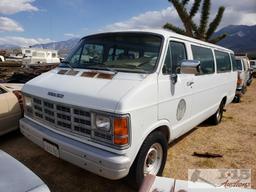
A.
pixel 175 98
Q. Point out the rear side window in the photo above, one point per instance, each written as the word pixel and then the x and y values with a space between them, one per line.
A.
pixel 176 53
pixel 205 56
pixel 234 63
pixel 223 61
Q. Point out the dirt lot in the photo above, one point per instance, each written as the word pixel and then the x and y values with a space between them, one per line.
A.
pixel 235 138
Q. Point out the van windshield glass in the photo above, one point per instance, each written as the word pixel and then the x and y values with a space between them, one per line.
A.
pixel 239 64
pixel 127 52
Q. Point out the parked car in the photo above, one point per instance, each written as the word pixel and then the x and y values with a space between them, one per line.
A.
pixel 119 98
pixel 15 177
pixel 253 66
pixel 11 107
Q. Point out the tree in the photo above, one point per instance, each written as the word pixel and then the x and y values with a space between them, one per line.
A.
pixel 201 31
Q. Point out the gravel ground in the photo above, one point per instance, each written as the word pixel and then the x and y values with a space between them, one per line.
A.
pixel 234 138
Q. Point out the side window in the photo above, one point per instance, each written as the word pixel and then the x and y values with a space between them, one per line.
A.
pixel 234 63
pixel 167 63
pixel 175 54
pixel 223 61
pixel 205 56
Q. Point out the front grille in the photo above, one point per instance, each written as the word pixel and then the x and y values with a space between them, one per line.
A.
pixel 66 118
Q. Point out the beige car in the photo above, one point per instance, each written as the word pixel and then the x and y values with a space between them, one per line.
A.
pixel 11 107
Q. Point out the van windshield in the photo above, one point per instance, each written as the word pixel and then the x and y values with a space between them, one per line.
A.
pixel 239 64
pixel 127 52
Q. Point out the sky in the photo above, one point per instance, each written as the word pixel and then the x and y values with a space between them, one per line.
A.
pixel 29 22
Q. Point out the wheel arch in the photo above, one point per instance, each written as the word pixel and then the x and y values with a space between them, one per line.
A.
pixel 162 126
pixel 164 129
pixel 224 99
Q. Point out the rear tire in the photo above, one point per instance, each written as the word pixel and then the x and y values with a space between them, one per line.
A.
pixel 217 117
pixel 150 159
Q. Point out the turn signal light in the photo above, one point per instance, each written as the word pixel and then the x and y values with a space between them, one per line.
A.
pixel 121 131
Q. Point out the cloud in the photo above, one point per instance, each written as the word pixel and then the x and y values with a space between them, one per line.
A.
pixel 7 24
pixel 22 41
pixel 9 7
pixel 149 19
pixel 237 13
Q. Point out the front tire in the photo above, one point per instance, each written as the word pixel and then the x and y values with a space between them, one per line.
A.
pixel 150 159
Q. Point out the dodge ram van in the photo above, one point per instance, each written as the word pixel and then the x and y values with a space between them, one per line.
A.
pixel 113 105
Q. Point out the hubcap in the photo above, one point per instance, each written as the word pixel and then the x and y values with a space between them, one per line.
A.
pixel 153 159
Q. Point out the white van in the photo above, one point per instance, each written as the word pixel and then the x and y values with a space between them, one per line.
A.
pixel 120 97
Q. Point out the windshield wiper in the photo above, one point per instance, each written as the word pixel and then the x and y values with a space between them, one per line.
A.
pixel 101 68
pixel 67 64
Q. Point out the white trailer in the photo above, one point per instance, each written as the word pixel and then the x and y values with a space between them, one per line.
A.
pixel 32 56
pixel 2 58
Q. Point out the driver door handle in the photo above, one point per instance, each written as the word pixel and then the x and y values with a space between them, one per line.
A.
pixel 190 83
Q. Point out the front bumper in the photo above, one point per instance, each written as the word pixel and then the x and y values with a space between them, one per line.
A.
pixel 239 91
pixel 95 160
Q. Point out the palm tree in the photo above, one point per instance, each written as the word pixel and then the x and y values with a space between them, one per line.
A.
pixel 202 31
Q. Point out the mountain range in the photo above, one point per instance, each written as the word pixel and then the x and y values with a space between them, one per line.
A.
pixel 62 46
pixel 241 39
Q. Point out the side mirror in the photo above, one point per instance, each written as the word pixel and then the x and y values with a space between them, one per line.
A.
pixel 190 67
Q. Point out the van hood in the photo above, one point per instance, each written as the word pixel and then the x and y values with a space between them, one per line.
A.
pixel 89 92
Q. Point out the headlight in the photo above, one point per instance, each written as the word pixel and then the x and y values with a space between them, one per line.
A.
pixel 103 122
pixel 28 101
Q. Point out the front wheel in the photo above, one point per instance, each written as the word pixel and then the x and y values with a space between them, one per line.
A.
pixel 150 159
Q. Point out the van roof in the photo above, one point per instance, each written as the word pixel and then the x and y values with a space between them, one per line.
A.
pixel 167 33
